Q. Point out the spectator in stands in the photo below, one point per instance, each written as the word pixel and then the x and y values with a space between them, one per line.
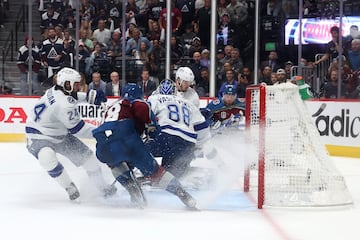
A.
pixel 84 57
pixel 332 48
pixel 50 18
pixel 69 38
pixel 69 57
pixel 196 46
pixel 97 83
pixel 354 33
pixel 87 10
pixel 287 67
pixel 52 54
pixel 155 68
pixel 23 65
pixel 273 8
pixel 273 78
pixel 114 11
pixel 195 66
pixel 131 11
pixel 113 46
pixel 186 38
pixel 85 27
pixel 141 55
pixel 98 60
pixel 354 55
pixel 248 74
pixel 154 31
pixel 158 50
pixel 272 62
pixel 225 31
pixel 331 87
pixel 155 7
pixel 237 12
pixel 59 31
pixel 114 87
pixel 222 76
pixel 187 9
pixel 176 19
pixel 221 7
pixel 83 86
pixel 280 76
pixel 244 80
pixel 227 51
pixel 265 75
pixel 147 84
pixel 134 42
pixel 88 43
pixel 102 34
pixel 230 80
pixel 205 58
pixel 203 19
pixel 177 50
pixel 236 61
pixel 202 88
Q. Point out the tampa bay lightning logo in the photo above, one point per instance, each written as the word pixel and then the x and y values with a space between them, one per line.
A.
pixel 71 100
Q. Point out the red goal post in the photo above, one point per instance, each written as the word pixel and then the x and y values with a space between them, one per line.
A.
pixel 292 167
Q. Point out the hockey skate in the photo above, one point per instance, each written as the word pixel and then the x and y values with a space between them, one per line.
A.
pixel 73 192
pixel 109 190
pixel 136 194
pixel 186 198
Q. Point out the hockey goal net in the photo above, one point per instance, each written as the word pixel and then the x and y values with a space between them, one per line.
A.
pixel 292 168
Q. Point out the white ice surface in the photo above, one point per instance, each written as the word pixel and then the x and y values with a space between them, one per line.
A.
pixel 33 206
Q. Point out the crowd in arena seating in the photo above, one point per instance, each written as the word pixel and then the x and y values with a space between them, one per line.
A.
pixel 100 44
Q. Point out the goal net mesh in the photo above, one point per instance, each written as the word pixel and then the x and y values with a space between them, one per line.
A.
pixel 297 168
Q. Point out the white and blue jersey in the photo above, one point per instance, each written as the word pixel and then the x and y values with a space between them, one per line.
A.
pixel 176 116
pixel 54 116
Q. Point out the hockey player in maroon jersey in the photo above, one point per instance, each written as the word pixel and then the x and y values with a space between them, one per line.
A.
pixel 120 146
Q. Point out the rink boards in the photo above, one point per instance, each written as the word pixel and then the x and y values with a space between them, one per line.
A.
pixel 338 122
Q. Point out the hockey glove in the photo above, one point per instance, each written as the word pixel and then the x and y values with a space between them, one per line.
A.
pixel 95 97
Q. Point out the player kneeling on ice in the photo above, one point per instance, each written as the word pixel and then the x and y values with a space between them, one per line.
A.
pixel 227 111
pixel 54 126
pixel 120 146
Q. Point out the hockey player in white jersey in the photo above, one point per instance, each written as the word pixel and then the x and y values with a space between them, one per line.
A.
pixel 184 79
pixel 54 126
pixel 177 120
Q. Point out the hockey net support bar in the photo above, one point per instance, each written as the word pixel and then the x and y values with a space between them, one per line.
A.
pixel 292 167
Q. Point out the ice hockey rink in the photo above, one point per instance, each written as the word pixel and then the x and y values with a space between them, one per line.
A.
pixel 33 206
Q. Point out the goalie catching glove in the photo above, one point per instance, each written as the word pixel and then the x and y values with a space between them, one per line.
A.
pixel 95 97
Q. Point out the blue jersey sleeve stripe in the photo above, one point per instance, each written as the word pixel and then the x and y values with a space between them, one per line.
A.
pixel 192 135
pixel 77 128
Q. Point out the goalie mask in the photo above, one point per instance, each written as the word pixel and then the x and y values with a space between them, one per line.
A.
pixel 133 91
pixel 66 78
pixel 167 87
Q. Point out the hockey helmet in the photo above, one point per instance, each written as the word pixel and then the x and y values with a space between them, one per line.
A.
pixel 133 91
pixel 229 90
pixel 167 87
pixel 67 75
pixel 184 74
